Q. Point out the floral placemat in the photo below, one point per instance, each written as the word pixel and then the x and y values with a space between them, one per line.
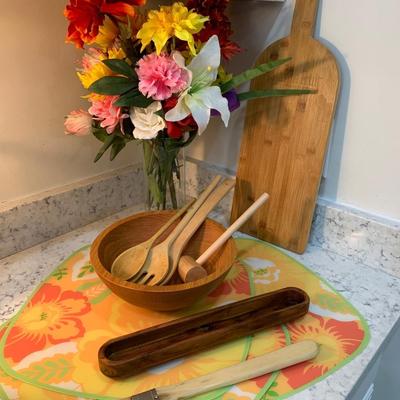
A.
pixel 49 349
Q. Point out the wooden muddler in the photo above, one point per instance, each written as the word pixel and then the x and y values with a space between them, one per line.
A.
pixel 191 270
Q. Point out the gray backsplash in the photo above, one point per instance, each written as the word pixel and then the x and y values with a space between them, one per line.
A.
pixel 342 230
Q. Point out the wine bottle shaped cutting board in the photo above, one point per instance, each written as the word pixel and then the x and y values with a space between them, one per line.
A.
pixel 285 138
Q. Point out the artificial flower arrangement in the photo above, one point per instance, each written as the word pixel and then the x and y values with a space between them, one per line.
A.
pixel 155 76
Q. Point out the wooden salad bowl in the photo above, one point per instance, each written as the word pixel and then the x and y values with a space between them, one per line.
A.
pixel 137 228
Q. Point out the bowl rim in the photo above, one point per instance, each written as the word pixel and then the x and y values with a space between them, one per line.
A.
pixel 106 275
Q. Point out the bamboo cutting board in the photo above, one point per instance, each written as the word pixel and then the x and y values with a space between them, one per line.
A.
pixel 285 139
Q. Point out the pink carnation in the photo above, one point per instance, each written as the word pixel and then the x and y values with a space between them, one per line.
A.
pixel 103 110
pixel 78 122
pixel 160 76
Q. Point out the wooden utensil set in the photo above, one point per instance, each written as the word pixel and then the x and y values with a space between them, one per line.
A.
pixel 155 265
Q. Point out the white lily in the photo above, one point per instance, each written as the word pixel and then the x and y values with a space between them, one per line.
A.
pixel 200 97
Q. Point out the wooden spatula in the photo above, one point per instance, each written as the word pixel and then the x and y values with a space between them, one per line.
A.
pixel 285 139
pixel 258 366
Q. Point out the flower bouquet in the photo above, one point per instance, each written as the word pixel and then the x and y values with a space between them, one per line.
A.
pixel 155 77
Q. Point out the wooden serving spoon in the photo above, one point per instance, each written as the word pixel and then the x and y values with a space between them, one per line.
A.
pixel 157 262
pixel 129 262
pixel 194 224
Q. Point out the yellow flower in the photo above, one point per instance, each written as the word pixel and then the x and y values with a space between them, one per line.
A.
pixel 107 34
pixel 171 21
pixel 116 53
pixel 92 66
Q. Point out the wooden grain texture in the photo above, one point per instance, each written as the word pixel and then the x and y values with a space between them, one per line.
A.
pixel 158 262
pixel 255 367
pixel 133 353
pixel 285 139
pixel 189 268
pixel 191 227
pixel 138 228
pixel 130 262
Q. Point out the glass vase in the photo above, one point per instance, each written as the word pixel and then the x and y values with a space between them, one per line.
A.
pixel 164 169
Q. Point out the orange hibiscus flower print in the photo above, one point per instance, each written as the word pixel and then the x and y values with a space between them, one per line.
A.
pixel 337 341
pixel 237 281
pixel 52 316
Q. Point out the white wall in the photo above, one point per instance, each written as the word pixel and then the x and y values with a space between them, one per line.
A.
pixel 364 168
pixel 364 163
pixel 38 88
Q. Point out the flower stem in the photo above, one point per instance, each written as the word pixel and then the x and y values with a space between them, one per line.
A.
pixel 172 192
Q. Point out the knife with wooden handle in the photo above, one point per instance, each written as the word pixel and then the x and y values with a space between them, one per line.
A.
pixel 258 366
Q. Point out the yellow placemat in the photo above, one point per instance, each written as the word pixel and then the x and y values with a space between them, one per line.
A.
pixel 49 349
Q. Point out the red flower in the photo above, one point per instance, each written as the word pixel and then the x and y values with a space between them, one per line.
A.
pixel 84 20
pixel 219 24
pixel 52 316
pixel 175 130
pixel 121 8
pixel 85 17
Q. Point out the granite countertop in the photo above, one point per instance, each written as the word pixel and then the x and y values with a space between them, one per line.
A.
pixel 373 292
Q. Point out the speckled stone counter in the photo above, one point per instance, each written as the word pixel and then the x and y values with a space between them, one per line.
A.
pixel 375 293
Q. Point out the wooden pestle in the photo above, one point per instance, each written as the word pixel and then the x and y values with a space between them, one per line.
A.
pixel 191 270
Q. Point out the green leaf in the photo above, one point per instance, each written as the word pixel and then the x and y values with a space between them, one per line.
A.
pixel 121 67
pixel 100 134
pixel 86 286
pixel 252 73
pixel 133 98
pixel 141 101
pixel 60 272
pixel 86 269
pixel 116 147
pixel 256 94
pixel 107 143
pixel 103 295
pixel 112 85
pixel 48 370
pixel 126 98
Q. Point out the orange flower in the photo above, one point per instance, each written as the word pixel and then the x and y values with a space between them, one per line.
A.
pixel 84 20
pixel 337 341
pixel 52 316
pixel 86 16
